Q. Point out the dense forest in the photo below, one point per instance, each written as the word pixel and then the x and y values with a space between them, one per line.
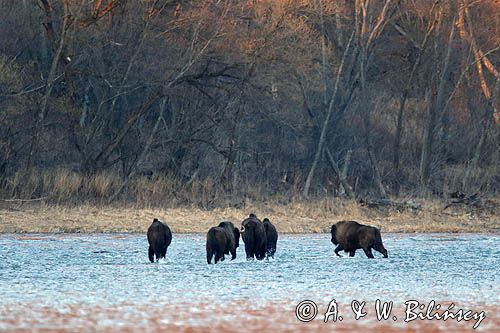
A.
pixel 208 102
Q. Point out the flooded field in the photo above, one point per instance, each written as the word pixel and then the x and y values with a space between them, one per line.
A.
pixel 104 282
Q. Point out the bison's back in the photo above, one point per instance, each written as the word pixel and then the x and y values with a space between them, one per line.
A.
pixel 217 237
pixel 228 228
pixel 368 236
pixel 346 233
pixel 353 235
pixel 216 240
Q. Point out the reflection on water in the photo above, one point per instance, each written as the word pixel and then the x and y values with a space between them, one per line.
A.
pixel 103 282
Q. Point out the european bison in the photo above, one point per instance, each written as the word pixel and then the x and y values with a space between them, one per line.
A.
pixel 254 236
pixel 271 236
pixel 159 239
pixel 223 239
pixel 350 236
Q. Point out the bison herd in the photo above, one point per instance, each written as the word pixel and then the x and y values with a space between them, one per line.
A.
pixel 261 237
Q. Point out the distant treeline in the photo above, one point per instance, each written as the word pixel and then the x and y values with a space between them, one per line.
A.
pixel 206 100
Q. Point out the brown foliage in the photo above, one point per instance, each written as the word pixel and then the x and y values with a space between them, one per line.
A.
pixel 229 98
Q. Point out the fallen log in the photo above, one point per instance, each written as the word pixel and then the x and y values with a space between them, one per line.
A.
pixel 388 204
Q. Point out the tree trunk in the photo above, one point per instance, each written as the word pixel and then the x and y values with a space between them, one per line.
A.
pixel 322 138
pixel 227 174
pixel 369 149
pixel 425 157
pixel 435 109
pixel 50 81
pixel 472 165
pixel 402 103
pixel 487 120
pixel 340 175
pixel 102 158
pixel 376 172
pixel 144 153
pixel 369 36
pixel 345 168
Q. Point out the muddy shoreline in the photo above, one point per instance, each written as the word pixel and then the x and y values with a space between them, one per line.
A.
pixel 295 218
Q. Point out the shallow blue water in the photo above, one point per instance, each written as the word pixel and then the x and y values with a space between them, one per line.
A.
pixel 107 270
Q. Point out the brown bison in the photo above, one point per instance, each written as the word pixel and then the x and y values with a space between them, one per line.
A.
pixel 254 236
pixel 159 239
pixel 271 237
pixel 223 239
pixel 350 236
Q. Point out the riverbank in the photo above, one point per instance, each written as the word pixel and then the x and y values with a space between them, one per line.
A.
pixel 296 217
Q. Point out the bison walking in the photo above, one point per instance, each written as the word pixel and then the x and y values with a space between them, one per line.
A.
pixel 271 236
pixel 350 236
pixel 223 239
pixel 159 239
pixel 254 236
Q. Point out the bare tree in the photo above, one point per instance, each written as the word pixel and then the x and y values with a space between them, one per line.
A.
pixel 369 34
pixel 437 103
pixel 421 47
pixel 328 101
pixel 67 20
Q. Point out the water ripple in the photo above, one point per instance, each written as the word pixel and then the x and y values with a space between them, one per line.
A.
pixel 57 271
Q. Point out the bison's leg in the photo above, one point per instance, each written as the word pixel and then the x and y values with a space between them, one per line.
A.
pixel 338 249
pixel 262 253
pixel 352 253
pixel 209 255
pixel 233 254
pixel 220 254
pixel 249 251
pixel 270 252
pixel 151 254
pixel 368 252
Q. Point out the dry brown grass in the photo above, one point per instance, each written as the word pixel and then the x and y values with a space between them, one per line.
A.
pixel 297 217
pixel 63 186
pixel 74 202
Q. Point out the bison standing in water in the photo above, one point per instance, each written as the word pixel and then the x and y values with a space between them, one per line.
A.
pixel 271 236
pixel 350 236
pixel 159 239
pixel 254 236
pixel 223 239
